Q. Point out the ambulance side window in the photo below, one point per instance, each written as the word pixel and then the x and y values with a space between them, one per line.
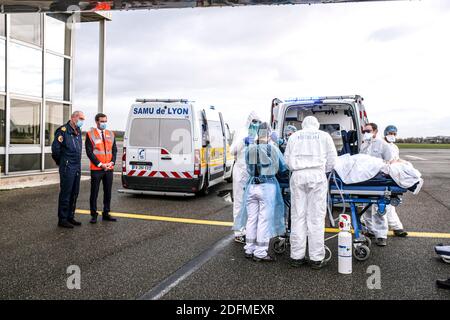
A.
pixel 216 136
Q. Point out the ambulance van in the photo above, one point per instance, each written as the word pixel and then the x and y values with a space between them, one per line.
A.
pixel 343 117
pixel 173 147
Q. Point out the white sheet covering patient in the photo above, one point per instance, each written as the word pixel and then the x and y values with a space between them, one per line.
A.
pixel 361 167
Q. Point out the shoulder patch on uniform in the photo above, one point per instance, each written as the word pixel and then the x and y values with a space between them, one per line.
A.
pixel 63 129
pixel 60 138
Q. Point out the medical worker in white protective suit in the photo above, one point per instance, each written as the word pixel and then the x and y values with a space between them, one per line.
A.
pixel 262 213
pixel 394 223
pixel 310 153
pixel 376 223
pixel 240 175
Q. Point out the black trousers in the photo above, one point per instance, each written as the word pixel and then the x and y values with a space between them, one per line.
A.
pixel 69 188
pixel 106 177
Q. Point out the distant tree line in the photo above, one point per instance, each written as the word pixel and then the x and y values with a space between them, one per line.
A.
pixel 436 140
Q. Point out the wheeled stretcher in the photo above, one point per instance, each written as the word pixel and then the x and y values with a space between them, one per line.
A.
pixel 360 197
pixel 380 191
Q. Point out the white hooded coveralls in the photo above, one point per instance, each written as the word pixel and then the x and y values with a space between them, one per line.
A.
pixel 240 174
pixel 393 220
pixel 377 223
pixel 310 153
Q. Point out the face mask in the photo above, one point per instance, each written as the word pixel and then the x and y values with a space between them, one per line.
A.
pixel 253 129
pixel 102 125
pixel 367 136
pixel 390 138
pixel 80 123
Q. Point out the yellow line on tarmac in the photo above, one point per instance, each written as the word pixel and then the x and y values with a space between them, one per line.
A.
pixel 162 218
pixel 411 234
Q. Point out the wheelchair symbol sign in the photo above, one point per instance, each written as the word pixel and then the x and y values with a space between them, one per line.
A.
pixel 141 154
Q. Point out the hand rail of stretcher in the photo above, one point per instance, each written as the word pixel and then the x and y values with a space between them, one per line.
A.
pixel 367 190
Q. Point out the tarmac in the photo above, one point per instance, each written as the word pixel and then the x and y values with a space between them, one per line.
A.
pixel 181 248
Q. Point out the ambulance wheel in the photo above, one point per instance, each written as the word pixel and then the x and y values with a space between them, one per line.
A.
pixel 278 245
pixel 361 253
pixel 205 189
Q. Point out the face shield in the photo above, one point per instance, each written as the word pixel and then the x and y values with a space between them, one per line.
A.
pixel 264 133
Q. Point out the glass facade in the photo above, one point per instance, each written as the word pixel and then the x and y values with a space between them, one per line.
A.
pixel 2 25
pixel 2 65
pixel 24 162
pixel 2 121
pixel 55 77
pixel 25 122
pixel 56 114
pixel 35 88
pixel 26 27
pixel 25 66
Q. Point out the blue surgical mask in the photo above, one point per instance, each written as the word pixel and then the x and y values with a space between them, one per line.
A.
pixel 102 125
pixel 80 123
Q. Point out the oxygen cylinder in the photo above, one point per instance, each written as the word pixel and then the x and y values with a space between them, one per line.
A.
pixel 345 244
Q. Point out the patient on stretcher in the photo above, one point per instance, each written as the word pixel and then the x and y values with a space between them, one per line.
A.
pixel 368 170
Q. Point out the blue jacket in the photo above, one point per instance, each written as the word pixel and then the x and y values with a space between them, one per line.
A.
pixel 67 146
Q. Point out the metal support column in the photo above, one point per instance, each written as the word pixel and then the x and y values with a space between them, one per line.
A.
pixel 101 65
pixel 8 102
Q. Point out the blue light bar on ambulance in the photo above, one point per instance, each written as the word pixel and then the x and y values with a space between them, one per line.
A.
pixel 162 100
pixel 318 100
pixel 309 100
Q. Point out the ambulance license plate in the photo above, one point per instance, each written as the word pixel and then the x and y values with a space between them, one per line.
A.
pixel 141 167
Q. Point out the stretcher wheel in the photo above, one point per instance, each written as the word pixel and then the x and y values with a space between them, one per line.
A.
pixel 447 260
pixel 361 253
pixel 278 245
pixel 367 241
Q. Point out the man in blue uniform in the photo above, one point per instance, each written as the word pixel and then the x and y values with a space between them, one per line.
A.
pixel 66 151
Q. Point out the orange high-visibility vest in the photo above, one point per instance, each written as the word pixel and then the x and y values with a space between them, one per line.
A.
pixel 103 151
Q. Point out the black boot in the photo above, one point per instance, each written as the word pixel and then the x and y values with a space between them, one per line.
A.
pixel 297 262
pixel 93 217
pixel 265 259
pixel 400 233
pixel 107 217
pixel 381 242
pixel 65 224
pixel 74 222
pixel 316 265
pixel 443 284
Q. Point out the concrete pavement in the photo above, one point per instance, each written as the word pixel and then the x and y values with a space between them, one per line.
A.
pixel 127 259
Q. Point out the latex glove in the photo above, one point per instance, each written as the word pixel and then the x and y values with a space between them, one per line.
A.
pixel 274 136
pixel 249 140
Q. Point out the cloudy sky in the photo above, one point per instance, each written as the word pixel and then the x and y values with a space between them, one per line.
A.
pixel 395 54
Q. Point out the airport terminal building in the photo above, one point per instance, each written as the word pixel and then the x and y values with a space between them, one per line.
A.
pixel 36 63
